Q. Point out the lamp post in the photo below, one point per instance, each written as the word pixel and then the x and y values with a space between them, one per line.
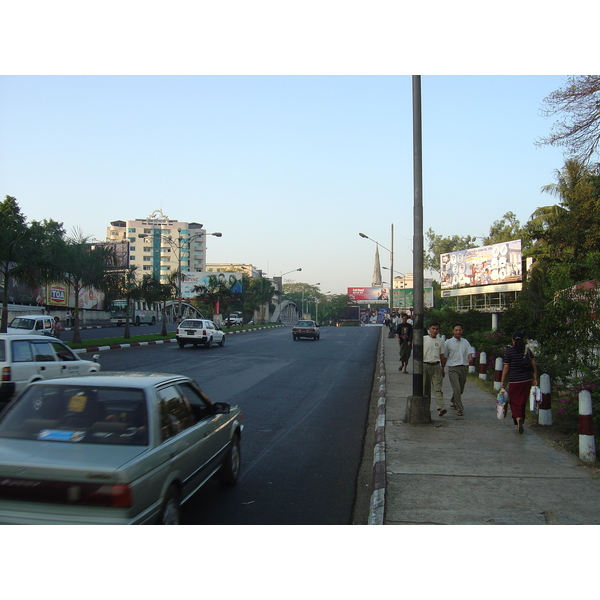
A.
pixel 178 244
pixel 391 294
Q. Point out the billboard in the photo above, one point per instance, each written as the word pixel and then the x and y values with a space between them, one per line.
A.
pixel 487 265
pixel 368 295
pixel 189 280
pixel 404 299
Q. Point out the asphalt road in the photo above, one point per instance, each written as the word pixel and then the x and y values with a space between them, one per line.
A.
pixel 305 405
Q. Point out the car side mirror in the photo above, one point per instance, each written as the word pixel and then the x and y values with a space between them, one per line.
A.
pixel 221 408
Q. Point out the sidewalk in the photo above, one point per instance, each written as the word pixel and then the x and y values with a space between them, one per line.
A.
pixel 475 469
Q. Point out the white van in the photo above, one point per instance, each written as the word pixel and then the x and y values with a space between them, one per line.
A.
pixel 26 358
pixel 31 324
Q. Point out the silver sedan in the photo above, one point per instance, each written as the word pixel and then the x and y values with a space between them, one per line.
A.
pixel 113 448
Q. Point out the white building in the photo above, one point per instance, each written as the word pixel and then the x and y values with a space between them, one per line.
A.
pixel 249 270
pixel 159 245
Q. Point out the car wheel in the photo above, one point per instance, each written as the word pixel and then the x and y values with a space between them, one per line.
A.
pixel 181 344
pixel 153 320
pixel 169 515
pixel 222 342
pixel 137 321
pixel 230 471
pixel 208 342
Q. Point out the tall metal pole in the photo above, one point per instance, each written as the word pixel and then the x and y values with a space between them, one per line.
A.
pixel 392 273
pixel 179 269
pixel 417 406
pixel 417 240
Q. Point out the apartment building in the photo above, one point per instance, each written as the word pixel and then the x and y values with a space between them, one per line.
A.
pixel 159 245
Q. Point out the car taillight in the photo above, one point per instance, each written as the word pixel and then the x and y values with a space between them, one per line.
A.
pixel 66 492
pixel 204 332
pixel 6 374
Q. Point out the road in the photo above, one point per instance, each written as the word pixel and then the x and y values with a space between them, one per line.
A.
pixel 305 405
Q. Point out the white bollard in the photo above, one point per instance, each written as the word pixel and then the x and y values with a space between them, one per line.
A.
pixel 472 367
pixel 483 366
pixel 545 411
pixel 498 373
pixel 587 443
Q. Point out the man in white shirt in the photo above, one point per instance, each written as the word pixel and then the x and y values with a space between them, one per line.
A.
pixel 458 358
pixel 434 361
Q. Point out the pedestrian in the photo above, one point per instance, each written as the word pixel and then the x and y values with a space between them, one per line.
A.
pixel 69 318
pixel 434 362
pixel 519 373
pixel 56 328
pixel 458 358
pixel 404 331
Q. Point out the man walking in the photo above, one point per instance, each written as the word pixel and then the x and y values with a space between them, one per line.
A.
pixel 458 358
pixel 434 362
pixel 404 331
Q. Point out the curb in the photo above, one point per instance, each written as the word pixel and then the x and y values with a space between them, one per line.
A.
pixel 377 509
pixel 154 342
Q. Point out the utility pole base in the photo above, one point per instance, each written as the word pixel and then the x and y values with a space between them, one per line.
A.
pixel 418 411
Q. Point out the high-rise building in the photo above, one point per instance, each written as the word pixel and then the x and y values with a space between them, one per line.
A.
pixel 159 245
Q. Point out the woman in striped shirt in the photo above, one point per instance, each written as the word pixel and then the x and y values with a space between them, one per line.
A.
pixel 519 377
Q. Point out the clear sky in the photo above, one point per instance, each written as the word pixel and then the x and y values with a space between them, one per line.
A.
pixel 289 167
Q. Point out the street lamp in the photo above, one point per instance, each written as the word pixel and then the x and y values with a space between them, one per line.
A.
pixel 391 294
pixel 177 245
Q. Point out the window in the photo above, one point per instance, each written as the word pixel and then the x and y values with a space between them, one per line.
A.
pixel 63 352
pixel 42 351
pixel 175 414
pixel 2 351
pixel 198 402
pixel 21 351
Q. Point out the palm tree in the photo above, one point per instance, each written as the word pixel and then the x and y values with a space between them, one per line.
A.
pixel 79 264
pixel 213 292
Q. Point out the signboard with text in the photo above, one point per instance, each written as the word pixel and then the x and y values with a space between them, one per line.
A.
pixel 487 265
pixel 189 280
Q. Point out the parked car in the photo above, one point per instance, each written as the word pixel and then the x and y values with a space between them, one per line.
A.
pixel 113 448
pixel 32 324
pixel 234 319
pixel 26 358
pixel 199 331
pixel 308 329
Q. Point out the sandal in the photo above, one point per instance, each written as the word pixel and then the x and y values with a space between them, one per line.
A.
pixel 453 406
pixel 460 413
pixel 442 411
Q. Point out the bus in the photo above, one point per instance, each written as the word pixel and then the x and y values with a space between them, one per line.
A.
pixel 140 312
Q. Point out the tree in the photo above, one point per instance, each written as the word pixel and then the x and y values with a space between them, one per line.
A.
pixel 257 295
pixel 24 250
pixel 78 264
pixel 577 105
pixel 504 230
pixel 213 292
pixel 565 234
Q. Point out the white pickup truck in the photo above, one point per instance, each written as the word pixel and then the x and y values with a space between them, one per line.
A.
pixel 234 318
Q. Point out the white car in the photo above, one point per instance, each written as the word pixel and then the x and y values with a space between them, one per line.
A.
pixel 199 331
pixel 32 324
pixel 26 358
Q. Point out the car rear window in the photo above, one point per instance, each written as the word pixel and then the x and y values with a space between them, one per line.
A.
pixel 191 324
pixel 20 323
pixel 78 414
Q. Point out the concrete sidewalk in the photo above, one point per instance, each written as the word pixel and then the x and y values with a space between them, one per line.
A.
pixel 475 469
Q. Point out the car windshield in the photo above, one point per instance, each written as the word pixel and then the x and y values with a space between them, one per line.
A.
pixel 78 414
pixel 20 323
pixel 189 324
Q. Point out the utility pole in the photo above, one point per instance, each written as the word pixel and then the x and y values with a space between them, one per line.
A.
pixel 417 406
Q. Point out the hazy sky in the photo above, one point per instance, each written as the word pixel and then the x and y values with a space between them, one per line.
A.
pixel 288 168
pixel 290 154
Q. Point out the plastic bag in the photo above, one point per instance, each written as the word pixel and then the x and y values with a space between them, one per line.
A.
pixel 502 404
pixel 535 398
